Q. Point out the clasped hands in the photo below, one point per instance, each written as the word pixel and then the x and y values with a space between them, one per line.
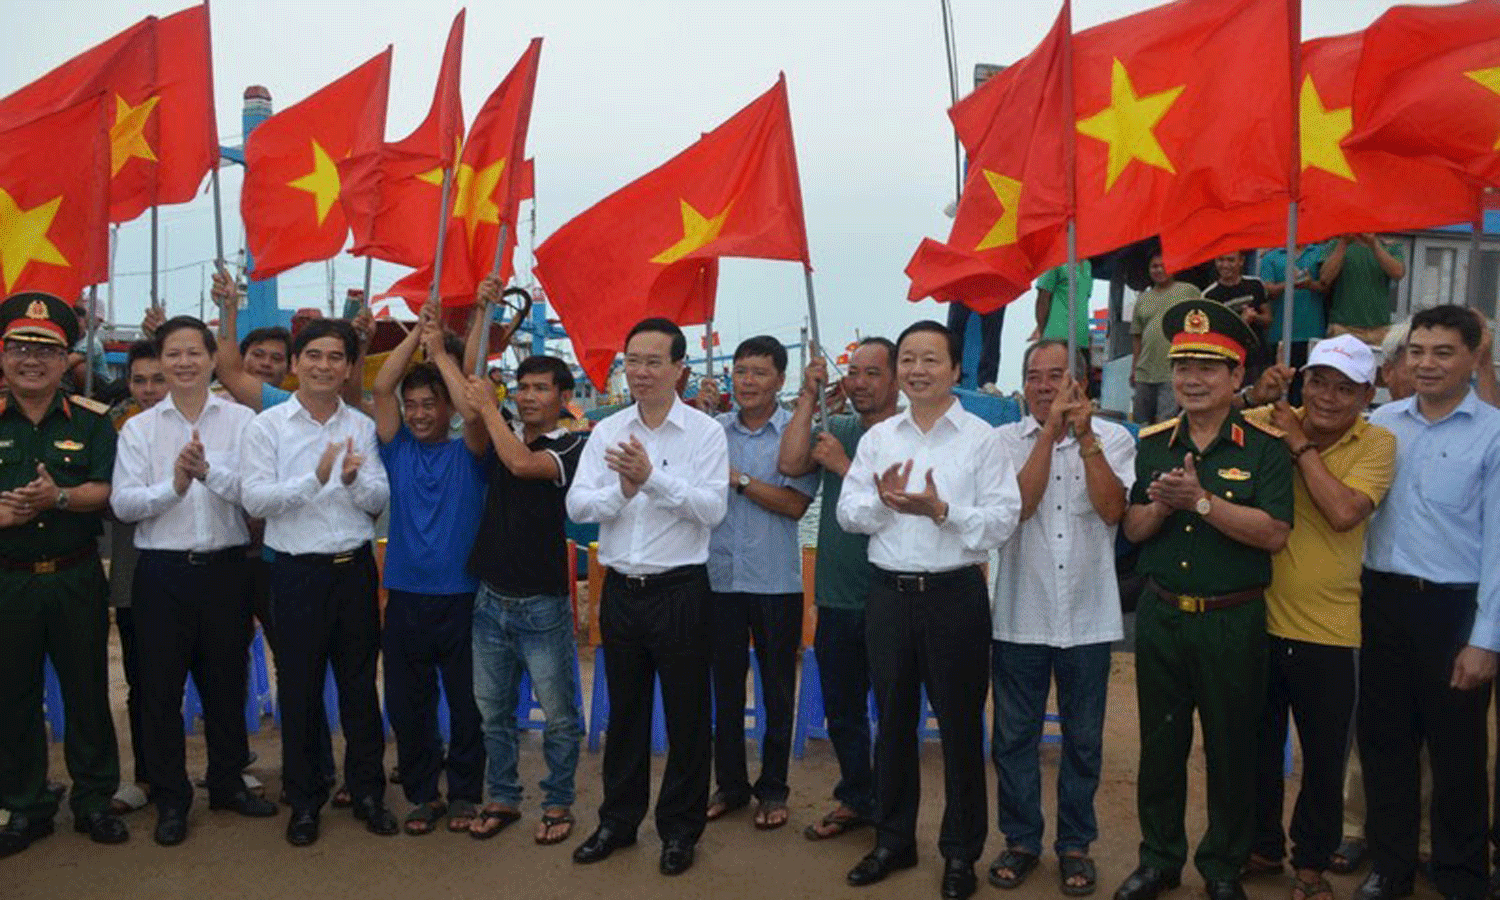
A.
pixel 1178 489
pixel 891 485
pixel 629 460
pixel 21 505
pixel 191 465
pixel 350 467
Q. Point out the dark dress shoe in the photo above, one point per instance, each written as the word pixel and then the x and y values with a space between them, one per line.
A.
pixel 879 863
pixel 1147 883
pixel 302 827
pixel 676 857
pixel 601 844
pixel 247 804
pixel 958 879
pixel 20 832
pixel 102 827
pixel 377 819
pixel 1228 889
pixel 1383 887
pixel 171 827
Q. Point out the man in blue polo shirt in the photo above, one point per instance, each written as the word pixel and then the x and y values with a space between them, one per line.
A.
pixel 755 572
pixel 437 493
pixel 1430 616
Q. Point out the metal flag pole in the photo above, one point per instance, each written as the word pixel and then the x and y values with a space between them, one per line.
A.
pixel 708 344
pixel 218 222
pixel 1476 236
pixel 1289 288
pixel 114 244
pixel 369 264
pixel 1073 298
pixel 91 331
pixel 482 359
pixel 812 325
pixel 155 300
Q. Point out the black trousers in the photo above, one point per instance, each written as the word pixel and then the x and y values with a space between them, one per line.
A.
pixel 192 617
pixel 427 635
pixel 130 663
pixel 660 628
pixel 1411 637
pixel 940 639
pixel 774 622
pixel 990 326
pixel 326 611
pixel 260 594
pixel 1316 684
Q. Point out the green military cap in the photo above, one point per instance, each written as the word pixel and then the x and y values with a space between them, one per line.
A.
pixel 1207 329
pixel 39 318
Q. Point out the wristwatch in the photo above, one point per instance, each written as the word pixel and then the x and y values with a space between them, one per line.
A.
pixel 1204 505
pixel 62 499
pixel 742 483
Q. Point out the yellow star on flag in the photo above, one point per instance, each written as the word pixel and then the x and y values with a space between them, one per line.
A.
pixel 1490 78
pixel 23 237
pixel 322 182
pixel 127 138
pixel 434 176
pixel 696 232
pixel 1008 192
pixel 1127 124
pixel 474 195
pixel 1322 130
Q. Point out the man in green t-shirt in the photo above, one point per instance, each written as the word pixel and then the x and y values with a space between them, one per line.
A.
pixel 1150 372
pixel 1361 269
pixel 1052 304
pixel 842 578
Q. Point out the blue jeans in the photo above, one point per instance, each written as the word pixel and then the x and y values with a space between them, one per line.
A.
pixel 1022 677
pixel 534 634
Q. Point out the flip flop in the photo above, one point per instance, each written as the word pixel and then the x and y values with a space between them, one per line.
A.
pixel 765 810
pixel 551 820
pixel 721 805
pixel 1318 887
pixel 492 822
pixel 423 818
pixel 836 824
pixel 1020 864
pixel 461 809
pixel 1070 867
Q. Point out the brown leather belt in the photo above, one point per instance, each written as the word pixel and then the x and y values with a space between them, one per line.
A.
pixel 51 565
pixel 1191 603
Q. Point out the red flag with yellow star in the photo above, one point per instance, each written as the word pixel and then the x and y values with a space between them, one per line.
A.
pixel 163 131
pixel 290 198
pixel 1345 189
pixel 1012 215
pixel 487 190
pixel 397 220
pixel 649 249
pixel 54 201
pixel 1429 85
pixel 1171 142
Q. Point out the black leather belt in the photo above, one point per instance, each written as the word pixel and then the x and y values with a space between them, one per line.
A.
pixel 51 564
pixel 1420 585
pixel 327 559
pixel 197 557
pixel 922 582
pixel 1192 603
pixel 679 575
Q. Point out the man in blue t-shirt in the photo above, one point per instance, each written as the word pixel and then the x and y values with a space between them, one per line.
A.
pixel 437 493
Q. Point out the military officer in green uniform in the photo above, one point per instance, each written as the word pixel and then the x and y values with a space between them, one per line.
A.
pixel 56 456
pixel 1212 502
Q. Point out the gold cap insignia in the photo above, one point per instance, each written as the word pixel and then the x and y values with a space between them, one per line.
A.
pixel 37 310
pixel 1196 322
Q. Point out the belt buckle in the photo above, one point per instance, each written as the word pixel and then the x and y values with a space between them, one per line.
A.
pixel 340 558
pixel 1189 604
pixel 44 567
pixel 635 581
pixel 197 558
pixel 911 583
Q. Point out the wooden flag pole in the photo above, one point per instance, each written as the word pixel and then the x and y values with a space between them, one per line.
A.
pixel 817 342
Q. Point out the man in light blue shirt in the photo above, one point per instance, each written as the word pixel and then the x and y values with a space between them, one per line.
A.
pixel 754 568
pixel 1430 617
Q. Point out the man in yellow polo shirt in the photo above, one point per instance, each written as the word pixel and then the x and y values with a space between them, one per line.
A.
pixel 1344 465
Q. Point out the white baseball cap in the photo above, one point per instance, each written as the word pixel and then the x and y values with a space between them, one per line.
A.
pixel 1346 353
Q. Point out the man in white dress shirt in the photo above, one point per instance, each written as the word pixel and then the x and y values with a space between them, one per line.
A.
pixel 935 492
pixel 177 475
pixel 311 471
pixel 1056 611
pixel 655 476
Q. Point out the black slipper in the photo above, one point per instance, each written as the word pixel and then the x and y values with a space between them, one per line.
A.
pixel 1020 864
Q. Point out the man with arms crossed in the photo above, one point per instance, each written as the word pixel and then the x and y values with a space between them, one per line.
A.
pixel 655 476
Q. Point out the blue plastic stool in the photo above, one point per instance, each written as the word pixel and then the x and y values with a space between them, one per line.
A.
pixel 529 715
pixel 1051 737
pixel 52 701
pixel 599 710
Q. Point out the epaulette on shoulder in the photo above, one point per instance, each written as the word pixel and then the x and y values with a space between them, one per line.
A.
pixel 1158 428
pixel 88 403
pixel 1266 427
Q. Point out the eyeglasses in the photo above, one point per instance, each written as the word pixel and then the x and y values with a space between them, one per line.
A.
pixel 24 349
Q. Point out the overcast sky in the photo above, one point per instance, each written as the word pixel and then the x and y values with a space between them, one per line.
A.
pixel 623 87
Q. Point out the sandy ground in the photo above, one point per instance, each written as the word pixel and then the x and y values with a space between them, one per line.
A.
pixel 227 856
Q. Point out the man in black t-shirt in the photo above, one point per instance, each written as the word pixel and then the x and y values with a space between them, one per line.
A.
pixel 1246 295
pixel 523 620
